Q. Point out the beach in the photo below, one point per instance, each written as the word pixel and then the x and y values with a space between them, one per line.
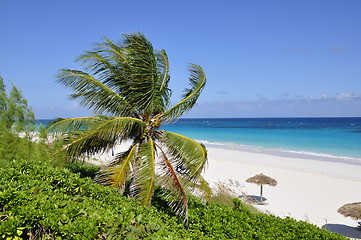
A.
pixel 308 189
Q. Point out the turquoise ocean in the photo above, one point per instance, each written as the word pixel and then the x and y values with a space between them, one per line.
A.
pixel 315 137
pixel 327 138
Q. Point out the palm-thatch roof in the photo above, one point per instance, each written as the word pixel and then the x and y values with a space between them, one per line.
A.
pixel 352 210
pixel 262 179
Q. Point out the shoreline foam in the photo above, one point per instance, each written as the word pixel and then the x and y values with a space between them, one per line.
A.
pixel 285 153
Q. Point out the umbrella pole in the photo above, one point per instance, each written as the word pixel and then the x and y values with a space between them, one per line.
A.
pixel 261 192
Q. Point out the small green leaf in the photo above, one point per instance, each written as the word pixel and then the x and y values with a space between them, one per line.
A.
pixel 64 218
pixel 82 213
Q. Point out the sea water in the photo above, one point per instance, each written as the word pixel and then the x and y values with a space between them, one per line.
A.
pixel 328 137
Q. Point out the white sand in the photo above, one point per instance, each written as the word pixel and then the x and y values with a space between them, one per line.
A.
pixel 308 189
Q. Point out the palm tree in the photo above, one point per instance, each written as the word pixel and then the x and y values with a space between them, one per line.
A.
pixel 126 85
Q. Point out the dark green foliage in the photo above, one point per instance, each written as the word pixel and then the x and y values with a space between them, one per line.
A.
pixel 84 169
pixel 222 222
pixel 37 199
pixel 41 199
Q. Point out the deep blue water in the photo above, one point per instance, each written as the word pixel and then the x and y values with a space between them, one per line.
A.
pixel 329 136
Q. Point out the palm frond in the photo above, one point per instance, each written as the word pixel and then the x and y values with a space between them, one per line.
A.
pixel 189 159
pixel 144 173
pixel 94 94
pixel 62 125
pixel 142 61
pixel 199 186
pixel 175 195
pixel 110 64
pixel 98 64
pixel 134 70
pixel 197 82
pixel 99 133
pixel 163 93
pixel 118 171
pixel 163 65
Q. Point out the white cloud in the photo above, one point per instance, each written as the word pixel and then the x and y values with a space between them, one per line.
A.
pixel 346 96
pixel 343 104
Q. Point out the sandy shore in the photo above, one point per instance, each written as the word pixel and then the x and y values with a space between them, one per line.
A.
pixel 308 189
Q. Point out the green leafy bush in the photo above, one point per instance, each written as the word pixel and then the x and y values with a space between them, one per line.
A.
pixel 43 200
pixel 222 222
pixel 40 201
pixel 84 169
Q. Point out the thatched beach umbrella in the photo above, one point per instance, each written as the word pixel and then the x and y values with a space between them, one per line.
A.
pixel 261 179
pixel 352 210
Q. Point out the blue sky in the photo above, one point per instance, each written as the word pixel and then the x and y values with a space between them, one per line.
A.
pixel 263 58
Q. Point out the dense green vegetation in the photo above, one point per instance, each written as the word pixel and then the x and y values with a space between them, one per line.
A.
pixel 39 200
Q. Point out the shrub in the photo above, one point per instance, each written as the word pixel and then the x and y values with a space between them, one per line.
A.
pixel 84 169
pixel 40 201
